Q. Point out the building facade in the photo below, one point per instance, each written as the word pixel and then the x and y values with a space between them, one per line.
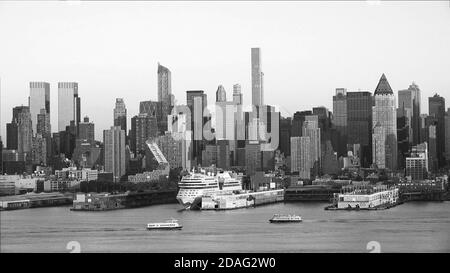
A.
pixel 359 123
pixel 384 137
pixel 436 106
pixel 68 105
pixel 39 99
pixel 114 141
pixel 257 78
pixel 120 114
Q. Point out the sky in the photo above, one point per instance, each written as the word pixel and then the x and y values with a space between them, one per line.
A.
pixel 308 49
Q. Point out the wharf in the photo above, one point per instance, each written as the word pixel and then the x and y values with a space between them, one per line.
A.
pixel 35 200
pixel 106 201
pixel 240 200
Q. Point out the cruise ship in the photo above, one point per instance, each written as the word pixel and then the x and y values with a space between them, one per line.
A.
pixel 200 184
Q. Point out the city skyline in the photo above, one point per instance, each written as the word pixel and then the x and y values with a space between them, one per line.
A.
pixel 232 65
pixel 250 126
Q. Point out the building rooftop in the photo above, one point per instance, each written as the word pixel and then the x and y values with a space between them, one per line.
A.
pixel 383 87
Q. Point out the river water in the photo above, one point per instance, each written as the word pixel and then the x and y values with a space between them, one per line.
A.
pixel 411 227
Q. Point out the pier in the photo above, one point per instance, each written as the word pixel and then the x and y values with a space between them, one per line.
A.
pixel 240 200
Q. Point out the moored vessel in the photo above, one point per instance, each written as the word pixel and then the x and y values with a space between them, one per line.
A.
pixel 198 184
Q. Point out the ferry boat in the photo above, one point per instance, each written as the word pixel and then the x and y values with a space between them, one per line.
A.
pixel 169 224
pixel 196 185
pixel 282 218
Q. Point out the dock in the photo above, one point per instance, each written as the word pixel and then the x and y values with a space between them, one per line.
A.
pixel 240 200
pixel 107 201
pixel 35 200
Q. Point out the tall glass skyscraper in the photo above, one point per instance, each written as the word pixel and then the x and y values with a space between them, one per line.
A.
pixel 384 137
pixel 359 124
pixel 339 120
pixel 197 102
pixel 68 105
pixel 39 99
pixel 164 85
pixel 257 78
pixel 410 100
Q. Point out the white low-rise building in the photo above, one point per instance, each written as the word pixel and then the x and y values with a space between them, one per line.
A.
pixel 368 198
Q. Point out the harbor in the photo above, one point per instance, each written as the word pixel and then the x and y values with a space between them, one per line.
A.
pixel 401 228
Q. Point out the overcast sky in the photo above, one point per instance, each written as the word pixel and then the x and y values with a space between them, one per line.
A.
pixel 308 49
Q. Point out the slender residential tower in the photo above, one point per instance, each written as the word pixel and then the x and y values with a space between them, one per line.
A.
pixel 384 136
pixel 257 78
pixel 164 85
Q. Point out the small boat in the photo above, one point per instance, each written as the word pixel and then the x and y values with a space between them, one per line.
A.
pixel 169 224
pixel 282 218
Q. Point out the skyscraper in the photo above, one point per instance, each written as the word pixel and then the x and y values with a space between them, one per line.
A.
pixel 410 100
pixel 39 150
pixel 24 131
pixel 39 99
pixel 339 120
pixel 164 85
pixel 165 97
pixel 311 129
pixel 43 123
pixel 143 127
pixel 403 136
pixel 257 78
pixel 301 156
pixel 68 105
pixel 43 129
pixel 221 94
pixel 20 124
pixel 120 114
pixel 436 106
pixel 384 137
pixel 285 135
pixel 359 124
pixel 197 102
pixel 237 95
pixel 114 141
pixel 158 110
